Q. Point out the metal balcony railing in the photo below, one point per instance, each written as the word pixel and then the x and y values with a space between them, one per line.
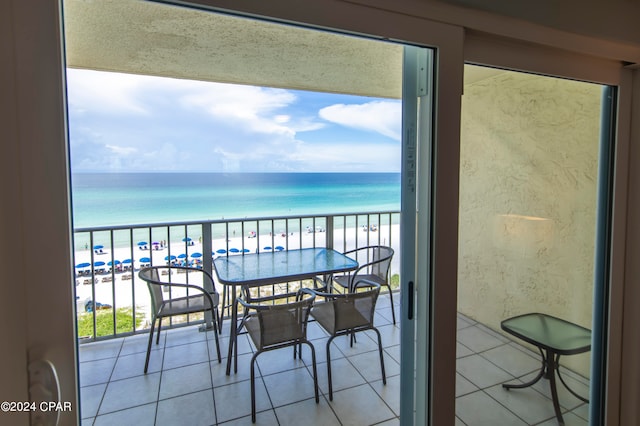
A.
pixel 112 301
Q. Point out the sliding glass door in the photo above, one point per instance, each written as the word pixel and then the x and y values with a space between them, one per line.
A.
pixel 533 238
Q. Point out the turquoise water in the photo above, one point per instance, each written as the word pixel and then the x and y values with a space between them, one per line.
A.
pixel 112 199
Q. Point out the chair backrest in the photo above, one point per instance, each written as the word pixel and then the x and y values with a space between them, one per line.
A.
pixel 152 278
pixel 155 282
pixel 373 260
pixel 354 310
pixel 282 323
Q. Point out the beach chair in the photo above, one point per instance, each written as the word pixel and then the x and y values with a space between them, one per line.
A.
pixel 194 281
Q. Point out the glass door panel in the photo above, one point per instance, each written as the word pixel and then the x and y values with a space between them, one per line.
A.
pixel 530 151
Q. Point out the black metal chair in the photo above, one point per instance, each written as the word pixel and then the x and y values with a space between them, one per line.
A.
pixel 275 326
pixel 374 263
pixel 347 314
pixel 201 301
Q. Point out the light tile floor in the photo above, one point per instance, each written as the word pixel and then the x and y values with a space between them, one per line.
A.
pixel 185 385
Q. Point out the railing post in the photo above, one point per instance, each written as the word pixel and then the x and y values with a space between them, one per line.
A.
pixel 207 264
pixel 329 233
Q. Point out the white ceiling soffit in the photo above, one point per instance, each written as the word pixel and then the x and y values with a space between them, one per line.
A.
pixel 140 37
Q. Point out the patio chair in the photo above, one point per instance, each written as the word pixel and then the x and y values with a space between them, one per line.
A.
pixel 276 326
pixel 199 301
pixel 374 266
pixel 346 314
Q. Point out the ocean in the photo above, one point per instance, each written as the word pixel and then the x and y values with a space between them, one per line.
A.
pixel 112 199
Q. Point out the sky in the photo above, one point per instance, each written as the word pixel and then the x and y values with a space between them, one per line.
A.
pixel 131 123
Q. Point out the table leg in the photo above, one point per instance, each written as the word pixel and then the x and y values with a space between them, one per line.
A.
pixel 548 371
pixel 232 331
pixel 535 380
pixel 574 393
pixel 551 375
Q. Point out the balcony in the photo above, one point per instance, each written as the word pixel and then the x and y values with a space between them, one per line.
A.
pixel 186 385
pixel 107 258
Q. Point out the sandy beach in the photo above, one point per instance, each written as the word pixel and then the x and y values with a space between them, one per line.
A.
pixel 124 288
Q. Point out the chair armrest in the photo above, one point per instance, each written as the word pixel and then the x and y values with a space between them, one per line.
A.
pixel 191 286
pixel 248 305
pixel 326 295
pixel 320 284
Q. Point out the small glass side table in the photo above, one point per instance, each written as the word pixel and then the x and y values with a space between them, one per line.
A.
pixel 553 337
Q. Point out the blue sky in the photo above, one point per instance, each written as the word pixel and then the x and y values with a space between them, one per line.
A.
pixel 124 122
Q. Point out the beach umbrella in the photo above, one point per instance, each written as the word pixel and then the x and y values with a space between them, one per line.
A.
pixel 186 239
pixel 115 262
pixel 98 263
pixel 221 251
pixel 98 247
pixel 145 260
pixel 279 248
pixel 143 243
pixel 172 257
pixel 196 255
pixel 245 250
pixel 234 250
pixel 83 265
pixel 267 248
pixel 126 261
pixel 182 256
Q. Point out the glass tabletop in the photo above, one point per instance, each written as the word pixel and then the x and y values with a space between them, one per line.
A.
pixel 281 266
pixel 548 332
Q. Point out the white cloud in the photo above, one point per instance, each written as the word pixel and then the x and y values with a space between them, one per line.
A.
pixel 121 150
pixel 383 117
pixel 140 123
pixel 252 107
pixel 104 92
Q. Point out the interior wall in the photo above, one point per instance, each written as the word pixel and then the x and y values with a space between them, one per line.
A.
pixel 528 173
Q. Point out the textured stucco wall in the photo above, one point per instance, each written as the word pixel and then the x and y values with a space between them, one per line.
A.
pixel 529 159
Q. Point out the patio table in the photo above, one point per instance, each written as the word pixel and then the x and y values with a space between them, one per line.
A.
pixel 267 268
pixel 557 337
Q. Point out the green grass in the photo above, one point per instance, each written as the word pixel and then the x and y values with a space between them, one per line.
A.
pixel 104 322
pixel 394 281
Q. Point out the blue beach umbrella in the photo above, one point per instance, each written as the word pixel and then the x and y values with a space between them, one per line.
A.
pixel 172 257
pixel 279 248
pixel 145 260
pixel 83 265
pixel 182 256
pixel 245 250
pixel 142 243
pixel 186 239
pixel 98 247
pixel 267 248
pixel 234 250
pixel 196 255
pixel 126 261
pixel 98 263
pixel 115 262
pixel 221 251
